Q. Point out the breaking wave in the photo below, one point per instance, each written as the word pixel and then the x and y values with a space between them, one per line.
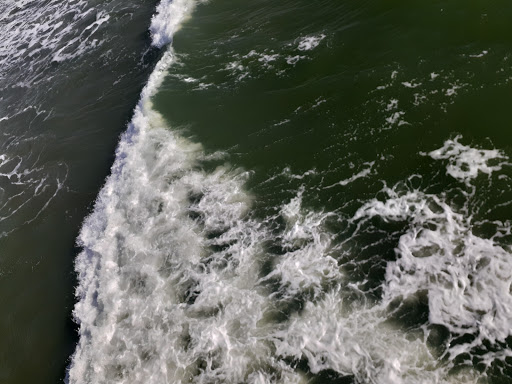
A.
pixel 181 282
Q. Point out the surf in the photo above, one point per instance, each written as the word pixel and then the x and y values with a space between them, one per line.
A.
pixel 181 281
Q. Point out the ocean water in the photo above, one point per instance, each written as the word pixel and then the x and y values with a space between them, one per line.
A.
pixel 70 74
pixel 301 192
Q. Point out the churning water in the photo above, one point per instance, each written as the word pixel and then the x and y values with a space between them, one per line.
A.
pixel 305 192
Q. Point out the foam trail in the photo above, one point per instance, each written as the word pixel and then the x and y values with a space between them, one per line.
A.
pixel 465 162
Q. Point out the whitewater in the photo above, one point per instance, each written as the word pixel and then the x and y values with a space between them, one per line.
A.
pixel 180 282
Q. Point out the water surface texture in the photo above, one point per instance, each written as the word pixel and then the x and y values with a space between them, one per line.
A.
pixel 70 74
pixel 305 192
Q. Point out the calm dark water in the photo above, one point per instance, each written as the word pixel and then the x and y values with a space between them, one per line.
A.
pixel 306 192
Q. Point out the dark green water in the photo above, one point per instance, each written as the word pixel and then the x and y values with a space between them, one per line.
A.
pixel 388 83
pixel 307 192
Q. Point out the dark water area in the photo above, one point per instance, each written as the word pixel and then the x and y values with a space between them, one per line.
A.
pixel 64 119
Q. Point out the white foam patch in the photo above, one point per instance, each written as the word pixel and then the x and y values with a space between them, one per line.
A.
pixel 309 43
pixel 237 70
pixel 266 59
pixel 393 104
pixel 255 64
pixel 411 84
pixel 307 266
pixel 452 90
pixel 168 19
pixel 396 118
pixel 292 60
pixel 482 54
pixel 465 162
pixel 360 344
pixel 467 278
pixel 252 64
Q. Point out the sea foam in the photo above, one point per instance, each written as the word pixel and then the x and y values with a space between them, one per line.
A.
pixel 179 282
